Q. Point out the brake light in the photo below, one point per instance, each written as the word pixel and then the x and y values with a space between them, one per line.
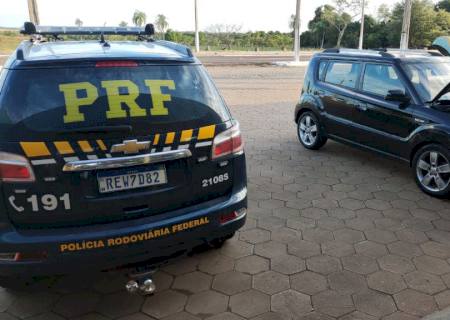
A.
pixel 228 142
pixel 15 168
pixel 232 216
pixel 111 64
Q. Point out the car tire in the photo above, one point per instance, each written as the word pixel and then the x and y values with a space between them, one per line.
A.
pixel 431 168
pixel 310 132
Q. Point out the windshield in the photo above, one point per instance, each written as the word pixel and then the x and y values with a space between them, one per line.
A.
pixel 159 97
pixel 429 79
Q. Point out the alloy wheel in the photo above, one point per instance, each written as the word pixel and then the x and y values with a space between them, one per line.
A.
pixel 308 130
pixel 433 171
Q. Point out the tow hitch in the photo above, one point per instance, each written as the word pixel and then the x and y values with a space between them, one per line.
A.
pixel 141 281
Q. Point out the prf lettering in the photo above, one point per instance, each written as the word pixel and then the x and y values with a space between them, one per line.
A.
pixel 84 94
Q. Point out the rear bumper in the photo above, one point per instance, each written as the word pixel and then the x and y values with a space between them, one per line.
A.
pixel 124 243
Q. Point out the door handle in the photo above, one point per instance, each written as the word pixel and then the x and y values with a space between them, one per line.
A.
pixel 362 106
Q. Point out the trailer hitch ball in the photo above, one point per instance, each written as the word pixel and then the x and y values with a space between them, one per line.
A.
pixel 148 286
pixel 132 286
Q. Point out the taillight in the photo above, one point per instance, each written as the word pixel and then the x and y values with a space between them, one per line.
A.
pixel 228 142
pixel 15 168
pixel 111 64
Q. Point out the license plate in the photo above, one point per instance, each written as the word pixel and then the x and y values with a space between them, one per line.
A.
pixel 131 180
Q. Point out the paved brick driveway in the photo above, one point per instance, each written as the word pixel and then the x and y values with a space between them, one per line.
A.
pixel 335 234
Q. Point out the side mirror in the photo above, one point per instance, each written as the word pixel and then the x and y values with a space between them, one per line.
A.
pixel 397 96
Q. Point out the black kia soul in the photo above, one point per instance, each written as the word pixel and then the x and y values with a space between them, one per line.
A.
pixel 112 153
pixel 396 103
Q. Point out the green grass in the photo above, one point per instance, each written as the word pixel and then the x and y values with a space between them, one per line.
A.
pixel 9 40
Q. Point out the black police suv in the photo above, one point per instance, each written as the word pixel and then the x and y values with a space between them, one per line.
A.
pixel 112 153
pixel 394 102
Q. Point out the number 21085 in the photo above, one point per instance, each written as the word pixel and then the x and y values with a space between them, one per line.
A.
pixel 215 180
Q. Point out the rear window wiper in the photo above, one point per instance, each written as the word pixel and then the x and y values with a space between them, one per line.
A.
pixel 99 129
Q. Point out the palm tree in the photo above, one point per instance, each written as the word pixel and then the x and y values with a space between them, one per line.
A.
pixel 78 22
pixel 139 18
pixel 123 24
pixel 161 25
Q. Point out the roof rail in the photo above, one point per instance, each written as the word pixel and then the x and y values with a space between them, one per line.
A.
pixel 30 29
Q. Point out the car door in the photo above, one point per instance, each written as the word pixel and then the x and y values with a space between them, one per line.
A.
pixel 383 125
pixel 336 90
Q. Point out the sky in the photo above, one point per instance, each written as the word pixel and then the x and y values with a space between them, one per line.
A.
pixel 252 15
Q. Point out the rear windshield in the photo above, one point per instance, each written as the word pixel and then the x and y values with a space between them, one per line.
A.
pixel 147 97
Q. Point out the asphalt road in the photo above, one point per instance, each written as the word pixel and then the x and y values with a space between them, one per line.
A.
pixel 229 60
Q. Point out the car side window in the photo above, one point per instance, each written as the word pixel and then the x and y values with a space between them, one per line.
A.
pixel 379 79
pixel 344 74
pixel 322 69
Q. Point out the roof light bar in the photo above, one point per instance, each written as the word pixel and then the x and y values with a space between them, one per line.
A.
pixel 30 29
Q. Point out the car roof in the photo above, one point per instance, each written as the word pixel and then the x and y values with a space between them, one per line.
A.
pixel 37 53
pixel 408 56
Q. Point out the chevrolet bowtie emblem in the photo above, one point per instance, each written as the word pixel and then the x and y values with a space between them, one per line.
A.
pixel 130 146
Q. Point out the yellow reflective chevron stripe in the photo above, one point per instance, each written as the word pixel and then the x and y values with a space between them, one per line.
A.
pixel 101 145
pixel 85 146
pixel 186 135
pixel 206 132
pixel 63 147
pixel 170 137
pixel 35 149
pixel 156 139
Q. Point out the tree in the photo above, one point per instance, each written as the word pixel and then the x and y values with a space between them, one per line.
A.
pixel 78 22
pixel 225 32
pixel 123 24
pixel 443 5
pixel 426 23
pixel 161 25
pixel 342 15
pixel 139 18
pixel 383 13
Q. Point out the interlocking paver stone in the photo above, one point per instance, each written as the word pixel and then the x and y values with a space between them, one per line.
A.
pixel 396 264
pixel 360 264
pixel 349 235
pixel 415 303
pixel 287 264
pixel 271 282
pixel 386 282
pixel 232 282
pixel 304 249
pixel 337 249
pixel 215 263
pixel 308 282
pixel 255 235
pixel 374 303
pixel 252 264
pixel 291 304
pixel 405 249
pixel 333 303
pixel 436 249
pixel 225 316
pixel 347 282
pixel 250 303
pixel 432 265
pixel 270 249
pixel 207 303
pixel 119 304
pixel 371 249
pixel 31 304
pixel 323 264
pixel 424 282
pixel 164 304
pixel 77 304
pixel 192 282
